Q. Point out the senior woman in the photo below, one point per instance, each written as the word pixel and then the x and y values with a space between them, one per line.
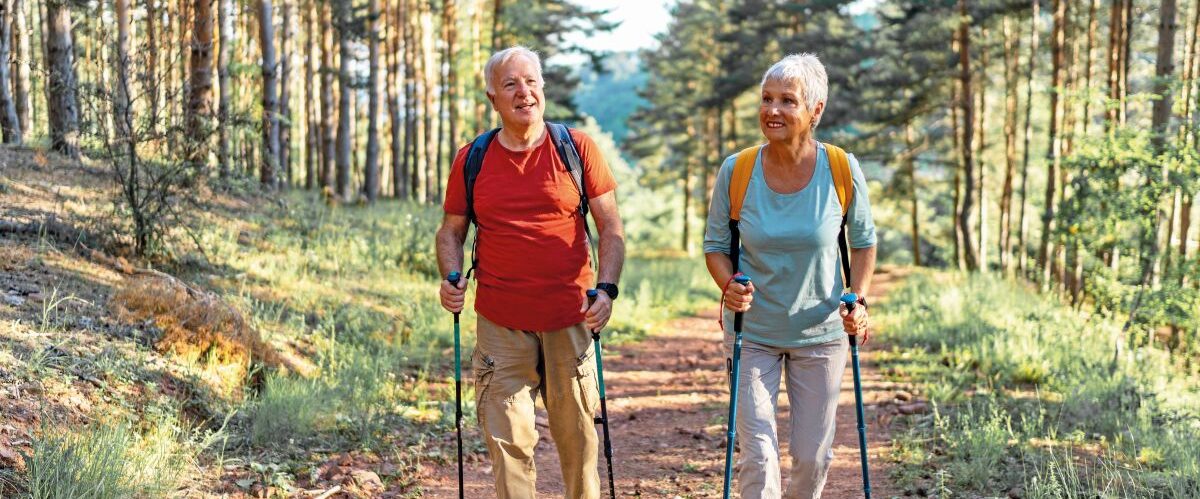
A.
pixel 790 220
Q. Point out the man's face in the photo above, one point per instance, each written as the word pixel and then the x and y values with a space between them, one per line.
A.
pixel 518 93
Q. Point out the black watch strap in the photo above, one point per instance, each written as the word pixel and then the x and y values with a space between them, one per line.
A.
pixel 609 289
pixel 862 300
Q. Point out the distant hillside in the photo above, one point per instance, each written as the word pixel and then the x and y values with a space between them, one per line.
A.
pixel 610 97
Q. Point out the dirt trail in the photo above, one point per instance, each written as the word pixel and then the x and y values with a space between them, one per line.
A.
pixel 667 401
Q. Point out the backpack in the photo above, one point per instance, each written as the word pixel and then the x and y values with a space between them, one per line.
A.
pixel 568 153
pixel 743 166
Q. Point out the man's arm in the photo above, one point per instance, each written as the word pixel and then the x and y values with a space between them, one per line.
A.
pixel 449 241
pixel 611 254
pixel 611 236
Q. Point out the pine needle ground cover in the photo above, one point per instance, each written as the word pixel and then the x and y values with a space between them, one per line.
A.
pixel 1027 398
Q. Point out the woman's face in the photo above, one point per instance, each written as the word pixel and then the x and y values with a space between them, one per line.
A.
pixel 782 113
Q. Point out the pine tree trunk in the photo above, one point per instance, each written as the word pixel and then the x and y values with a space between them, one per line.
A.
pixel 61 103
pixel 328 145
pixel 451 21
pixel 200 87
pixel 1023 221
pixel 497 25
pixel 121 111
pixel 433 173
pixel 285 93
pixel 955 98
pixel 224 58
pixel 399 174
pixel 151 85
pixel 479 106
pixel 1093 22
pixel 312 135
pixel 1057 43
pixel 268 170
pixel 1164 70
pixel 10 123
pixel 983 200
pixel 1012 46
pixel 345 110
pixel 372 167
pixel 968 159
pixel 910 165
pixel 21 63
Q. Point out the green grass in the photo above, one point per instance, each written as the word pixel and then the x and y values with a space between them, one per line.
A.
pixel 114 460
pixel 1027 396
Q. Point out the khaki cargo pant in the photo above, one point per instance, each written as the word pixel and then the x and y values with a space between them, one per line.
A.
pixel 814 377
pixel 511 368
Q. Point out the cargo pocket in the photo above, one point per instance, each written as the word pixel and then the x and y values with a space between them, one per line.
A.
pixel 585 377
pixel 484 367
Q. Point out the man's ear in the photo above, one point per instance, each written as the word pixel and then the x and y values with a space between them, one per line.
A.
pixel 491 98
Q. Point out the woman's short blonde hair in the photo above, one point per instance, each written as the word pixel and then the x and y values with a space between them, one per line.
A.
pixel 804 70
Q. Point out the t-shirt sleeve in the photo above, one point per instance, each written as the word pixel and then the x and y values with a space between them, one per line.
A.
pixel 456 189
pixel 859 223
pixel 596 173
pixel 716 233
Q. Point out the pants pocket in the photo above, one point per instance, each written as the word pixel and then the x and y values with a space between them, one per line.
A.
pixel 484 367
pixel 585 377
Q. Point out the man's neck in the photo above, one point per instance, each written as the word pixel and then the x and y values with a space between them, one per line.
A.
pixel 520 138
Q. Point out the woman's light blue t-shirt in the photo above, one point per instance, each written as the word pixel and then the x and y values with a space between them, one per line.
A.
pixel 790 251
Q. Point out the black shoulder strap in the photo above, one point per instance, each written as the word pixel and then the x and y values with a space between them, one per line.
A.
pixel 569 154
pixel 473 165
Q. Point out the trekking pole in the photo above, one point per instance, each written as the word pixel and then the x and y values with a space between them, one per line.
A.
pixel 851 299
pixel 603 419
pixel 453 279
pixel 731 434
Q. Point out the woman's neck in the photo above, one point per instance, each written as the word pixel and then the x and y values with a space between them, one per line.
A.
pixel 790 154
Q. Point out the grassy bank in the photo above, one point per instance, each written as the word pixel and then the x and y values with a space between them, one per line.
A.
pixel 1028 399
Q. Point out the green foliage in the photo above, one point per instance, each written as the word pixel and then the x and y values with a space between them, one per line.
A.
pixel 1018 380
pixel 113 460
pixel 612 95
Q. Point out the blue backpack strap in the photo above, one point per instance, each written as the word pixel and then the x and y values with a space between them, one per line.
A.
pixel 471 170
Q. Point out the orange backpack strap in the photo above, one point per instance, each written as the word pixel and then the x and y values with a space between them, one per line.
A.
pixel 843 182
pixel 743 166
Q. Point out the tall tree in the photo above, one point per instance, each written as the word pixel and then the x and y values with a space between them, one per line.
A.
pixel 371 184
pixel 269 168
pixel 450 19
pixel 151 83
pixel 312 121
pixel 342 23
pixel 10 124
pixel 395 119
pixel 121 101
pixel 1022 219
pixel 968 121
pixel 61 102
pixel 22 58
pixel 1053 156
pixel 224 58
pixel 285 91
pixel 1012 47
pixel 199 93
pixel 328 145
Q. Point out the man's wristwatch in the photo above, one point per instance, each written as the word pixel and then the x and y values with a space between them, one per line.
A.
pixel 609 289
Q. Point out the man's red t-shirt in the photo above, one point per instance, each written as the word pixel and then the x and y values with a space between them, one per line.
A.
pixel 533 254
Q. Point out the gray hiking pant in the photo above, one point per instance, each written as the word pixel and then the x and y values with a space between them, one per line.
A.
pixel 814 377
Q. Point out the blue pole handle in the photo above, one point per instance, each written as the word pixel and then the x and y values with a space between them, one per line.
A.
pixel 742 279
pixel 453 277
pixel 850 299
pixel 591 296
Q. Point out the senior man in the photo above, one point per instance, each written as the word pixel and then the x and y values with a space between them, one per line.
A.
pixel 531 255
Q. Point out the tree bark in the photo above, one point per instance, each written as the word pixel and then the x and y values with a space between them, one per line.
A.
pixel 345 110
pixel 224 57
pixel 372 167
pixel 61 102
pixel 200 86
pixel 968 159
pixel 1012 46
pixel 1057 42
pixel 121 100
pixel 285 93
pixel 10 123
pixel 21 56
pixel 312 135
pixel 433 173
pixel 399 174
pixel 1023 221
pixel 328 171
pixel 268 170
pixel 910 165
pixel 983 200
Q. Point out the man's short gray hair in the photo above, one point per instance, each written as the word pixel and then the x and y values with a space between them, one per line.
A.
pixel 806 71
pixel 503 56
